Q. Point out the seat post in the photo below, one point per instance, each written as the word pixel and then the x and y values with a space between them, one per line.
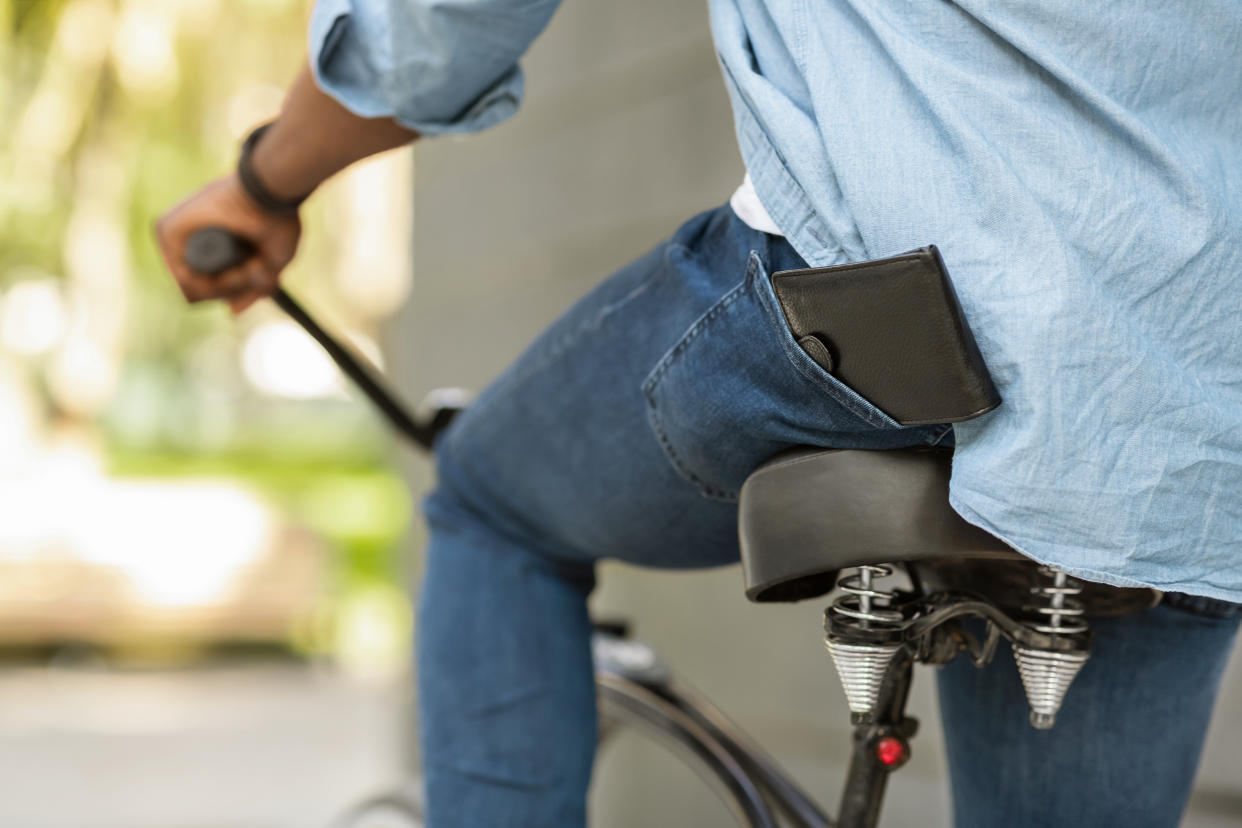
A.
pixel 880 746
pixel 866 642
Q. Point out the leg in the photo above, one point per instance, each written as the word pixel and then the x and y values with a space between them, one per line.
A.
pixel 1126 743
pixel 625 430
pixel 504 675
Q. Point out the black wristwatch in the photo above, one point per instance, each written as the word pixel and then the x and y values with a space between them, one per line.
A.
pixel 255 188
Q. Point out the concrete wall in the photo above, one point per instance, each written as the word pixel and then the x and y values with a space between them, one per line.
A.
pixel 627 132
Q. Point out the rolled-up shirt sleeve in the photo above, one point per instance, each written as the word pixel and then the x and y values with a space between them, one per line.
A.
pixel 436 66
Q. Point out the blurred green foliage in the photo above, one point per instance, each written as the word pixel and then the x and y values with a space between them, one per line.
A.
pixel 113 111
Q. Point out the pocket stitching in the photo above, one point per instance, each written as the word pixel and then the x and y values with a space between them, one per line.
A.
pixel 653 380
pixel 692 333
pixel 812 373
pixel 846 396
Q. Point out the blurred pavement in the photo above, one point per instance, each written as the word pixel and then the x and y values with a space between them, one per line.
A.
pixel 260 745
pixel 283 745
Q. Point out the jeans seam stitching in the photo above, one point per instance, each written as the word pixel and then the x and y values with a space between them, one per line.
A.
pixel 692 333
pixel 657 374
pixel 795 357
pixel 562 345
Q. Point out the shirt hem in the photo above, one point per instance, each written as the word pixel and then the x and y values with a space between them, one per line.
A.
pixel 973 517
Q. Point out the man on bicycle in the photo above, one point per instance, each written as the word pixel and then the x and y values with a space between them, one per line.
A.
pixel 1080 169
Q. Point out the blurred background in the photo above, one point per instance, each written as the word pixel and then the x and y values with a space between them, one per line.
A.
pixel 207 540
pixel 203 612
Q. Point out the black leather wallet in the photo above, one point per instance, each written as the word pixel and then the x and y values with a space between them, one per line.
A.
pixel 893 331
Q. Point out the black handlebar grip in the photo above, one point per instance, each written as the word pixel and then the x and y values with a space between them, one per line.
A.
pixel 213 250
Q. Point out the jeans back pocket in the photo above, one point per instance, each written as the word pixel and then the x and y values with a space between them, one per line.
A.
pixel 736 389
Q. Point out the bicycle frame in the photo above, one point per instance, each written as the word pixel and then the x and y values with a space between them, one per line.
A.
pixel 752 783
pixel 749 779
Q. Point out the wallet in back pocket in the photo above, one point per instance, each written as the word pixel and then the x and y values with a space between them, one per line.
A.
pixel 893 331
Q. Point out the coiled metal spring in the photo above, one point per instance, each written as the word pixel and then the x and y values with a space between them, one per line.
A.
pixel 859 602
pixel 1064 614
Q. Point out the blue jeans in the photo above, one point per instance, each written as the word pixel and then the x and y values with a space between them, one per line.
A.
pixel 626 431
pixel 1126 742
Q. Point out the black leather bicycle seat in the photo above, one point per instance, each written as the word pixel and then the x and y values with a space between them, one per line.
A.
pixel 810 512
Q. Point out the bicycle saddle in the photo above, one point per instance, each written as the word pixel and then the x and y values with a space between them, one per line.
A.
pixel 810 512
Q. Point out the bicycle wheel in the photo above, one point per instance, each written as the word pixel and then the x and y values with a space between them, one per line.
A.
pixel 635 694
pixel 622 704
pixel 396 810
pixel 627 704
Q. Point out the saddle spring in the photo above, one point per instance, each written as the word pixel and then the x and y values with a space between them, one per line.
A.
pixel 861 665
pixel 1047 674
pixel 862 601
pixel 1063 611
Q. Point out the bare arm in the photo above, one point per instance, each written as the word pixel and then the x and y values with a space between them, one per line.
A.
pixel 313 138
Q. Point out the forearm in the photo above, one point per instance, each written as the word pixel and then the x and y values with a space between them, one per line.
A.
pixel 315 137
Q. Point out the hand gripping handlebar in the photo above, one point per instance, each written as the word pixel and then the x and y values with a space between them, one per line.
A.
pixel 213 250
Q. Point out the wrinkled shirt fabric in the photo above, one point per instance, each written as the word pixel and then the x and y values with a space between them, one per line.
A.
pixel 1079 165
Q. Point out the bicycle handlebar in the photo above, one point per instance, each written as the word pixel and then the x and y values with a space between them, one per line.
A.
pixel 213 250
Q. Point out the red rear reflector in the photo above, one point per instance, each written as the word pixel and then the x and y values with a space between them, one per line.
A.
pixel 891 751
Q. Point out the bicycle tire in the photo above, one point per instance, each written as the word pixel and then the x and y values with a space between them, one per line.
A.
pixel 627 704
pixel 639 709
pixel 394 810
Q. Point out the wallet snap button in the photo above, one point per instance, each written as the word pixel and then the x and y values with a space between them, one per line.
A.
pixel 818 350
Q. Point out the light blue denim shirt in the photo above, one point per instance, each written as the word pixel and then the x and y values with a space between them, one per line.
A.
pixel 1079 166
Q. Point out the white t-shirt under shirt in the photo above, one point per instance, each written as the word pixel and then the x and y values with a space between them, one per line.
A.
pixel 745 202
